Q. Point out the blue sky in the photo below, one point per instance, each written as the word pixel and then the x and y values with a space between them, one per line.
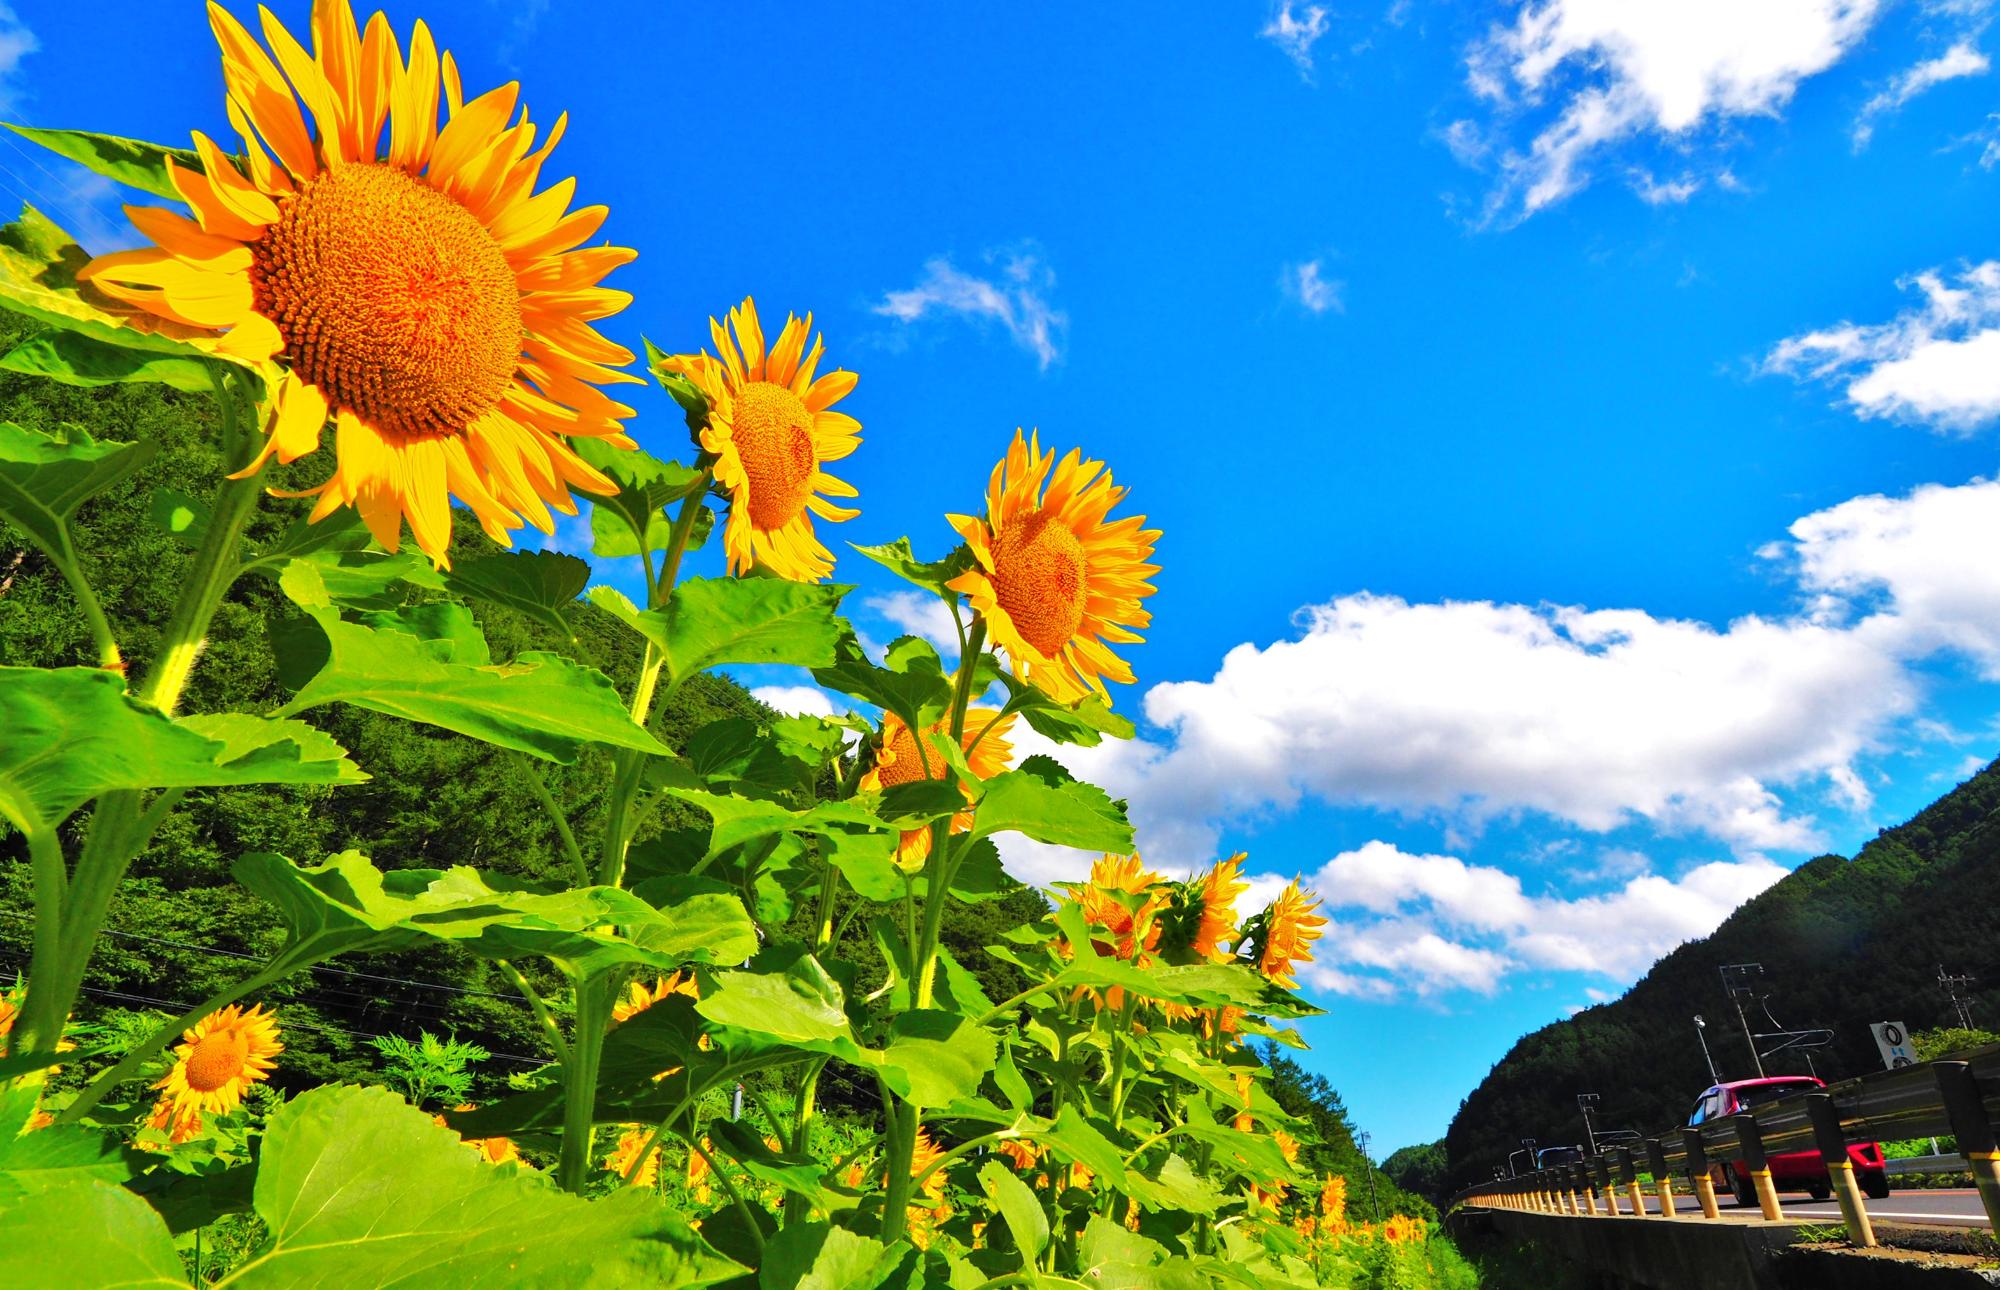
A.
pixel 1569 422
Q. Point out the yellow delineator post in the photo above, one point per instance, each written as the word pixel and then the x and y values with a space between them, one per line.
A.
pixel 1840 1168
pixel 1697 1161
pixel 1604 1185
pixel 1759 1168
pixel 1663 1181
pixel 1581 1174
pixel 1628 1174
pixel 1974 1131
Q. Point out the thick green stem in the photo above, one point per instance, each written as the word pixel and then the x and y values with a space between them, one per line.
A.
pixel 108 656
pixel 533 774
pixel 586 1050
pixel 136 1059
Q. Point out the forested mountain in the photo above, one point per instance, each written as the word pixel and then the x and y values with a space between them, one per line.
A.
pixel 1843 943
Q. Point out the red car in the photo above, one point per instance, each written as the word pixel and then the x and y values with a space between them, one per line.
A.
pixel 1794 1170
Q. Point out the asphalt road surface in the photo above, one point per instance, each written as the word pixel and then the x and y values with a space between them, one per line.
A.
pixel 1942 1207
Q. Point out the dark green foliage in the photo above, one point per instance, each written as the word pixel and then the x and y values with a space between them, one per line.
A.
pixel 1421 1170
pixel 1843 942
pixel 1328 1147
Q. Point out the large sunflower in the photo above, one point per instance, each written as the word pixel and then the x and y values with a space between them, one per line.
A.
pixel 771 429
pixel 626 1163
pixel 1106 902
pixel 1289 927
pixel 412 287
pixel 900 761
pixel 1055 581
pixel 218 1058
pixel 1215 893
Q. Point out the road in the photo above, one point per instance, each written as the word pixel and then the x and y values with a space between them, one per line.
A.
pixel 1942 1207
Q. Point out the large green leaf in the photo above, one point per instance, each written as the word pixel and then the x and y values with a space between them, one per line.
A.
pixel 357 1188
pixel 1044 801
pixel 934 1057
pixel 818 1256
pixel 711 621
pixel 800 1006
pixel 85 1227
pixel 540 584
pixel 77 359
pixel 541 704
pixel 746 819
pixel 132 162
pixel 72 733
pixel 1084 722
pixel 44 479
pixel 911 682
pixel 59 1154
pixel 932 575
pixel 38 267
pixel 1020 1208
pixel 347 899
pixel 646 487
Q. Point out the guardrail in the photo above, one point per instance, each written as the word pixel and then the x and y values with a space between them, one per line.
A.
pixel 1961 1098
pixel 1948 1163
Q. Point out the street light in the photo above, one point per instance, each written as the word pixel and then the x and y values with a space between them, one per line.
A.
pixel 1701 1033
pixel 1739 982
pixel 1584 1101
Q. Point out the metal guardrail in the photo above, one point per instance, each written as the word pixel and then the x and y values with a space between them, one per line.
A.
pixel 1948 1163
pixel 1961 1098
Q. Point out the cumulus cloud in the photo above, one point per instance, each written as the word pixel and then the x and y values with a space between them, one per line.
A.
pixel 1964 58
pixel 1295 30
pixel 1936 363
pixel 1015 298
pixel 1594 75
pixel 1427 924
pixel 798 700
pixel 918 613
pixel 16 43
pixel 1306 285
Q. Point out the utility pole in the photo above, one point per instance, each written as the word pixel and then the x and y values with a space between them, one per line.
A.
pixel 1953 986
pixel 1738 980
pixel 1374 1214
pixel 1584 1101
pixel 1701 1033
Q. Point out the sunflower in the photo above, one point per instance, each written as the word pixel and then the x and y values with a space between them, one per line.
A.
pixel 626 1163
pixel 638 997
pixel 926 1154
pixel 180 1124
pixel 219 1057
pixel 901 761
pixel 771 429
pixel 1289 928
pixel 697 1172
pixel 421 295
pixel 1054 582
pixel 1111 878
pixel 1333 1199
pixel 1020 1153
pixel 494 1151
pixel 1215 894
pixel 1402 1229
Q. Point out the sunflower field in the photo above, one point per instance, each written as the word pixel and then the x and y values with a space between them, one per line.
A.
pixel 378 256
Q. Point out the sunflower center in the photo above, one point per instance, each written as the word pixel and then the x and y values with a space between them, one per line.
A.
pixel 905 764
pixel 772 430
pixel 218 1057
pixel 392 298
pixel 1039 579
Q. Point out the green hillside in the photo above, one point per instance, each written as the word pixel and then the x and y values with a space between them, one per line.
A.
pixel 1843 943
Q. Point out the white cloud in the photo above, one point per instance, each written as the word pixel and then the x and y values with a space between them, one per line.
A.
pixel 1426 924
pixel 16 43
pixel 1663 192
pixel 1296 32
pixel 798 700
pixel 1597 73
pixel 918 613
pixel 1964 58
pixel 1305 285
pixel 1016 298
pixel 1937 363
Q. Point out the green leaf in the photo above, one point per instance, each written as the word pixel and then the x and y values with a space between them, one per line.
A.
pixel 1007 1078
pixel 801 1005
pixel 132 162
pixel 646 486
pixel 76 359
pixel 1084 723
pixel 1044 801
pixel 1018 1206
pixel 934 1058
pixel 178 515
pixel 38 267
pixel 766 1166
pixel 60 1154
pixel 915 804
pixel 44 479
pixel 1175 1187
pixel 1076 1139
pixel 346 901
pixel 358 1188
pixel 818 1256
pixel 540 584
pixel 912 683
pixel 55 1232
pixel 541 704
pixel 932 576
pixel 73 733
pixel 867 860
pixel 355 579
pixel 711 621
pixel 343 531
pixel 745 819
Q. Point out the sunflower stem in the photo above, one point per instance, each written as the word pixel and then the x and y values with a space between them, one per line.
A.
pixel 130 1064
pixel 540 789
pixel 550 1031
pixel 586 1050
pixel 101 635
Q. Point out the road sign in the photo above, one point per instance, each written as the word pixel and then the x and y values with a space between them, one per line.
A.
pixel 1893 1038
